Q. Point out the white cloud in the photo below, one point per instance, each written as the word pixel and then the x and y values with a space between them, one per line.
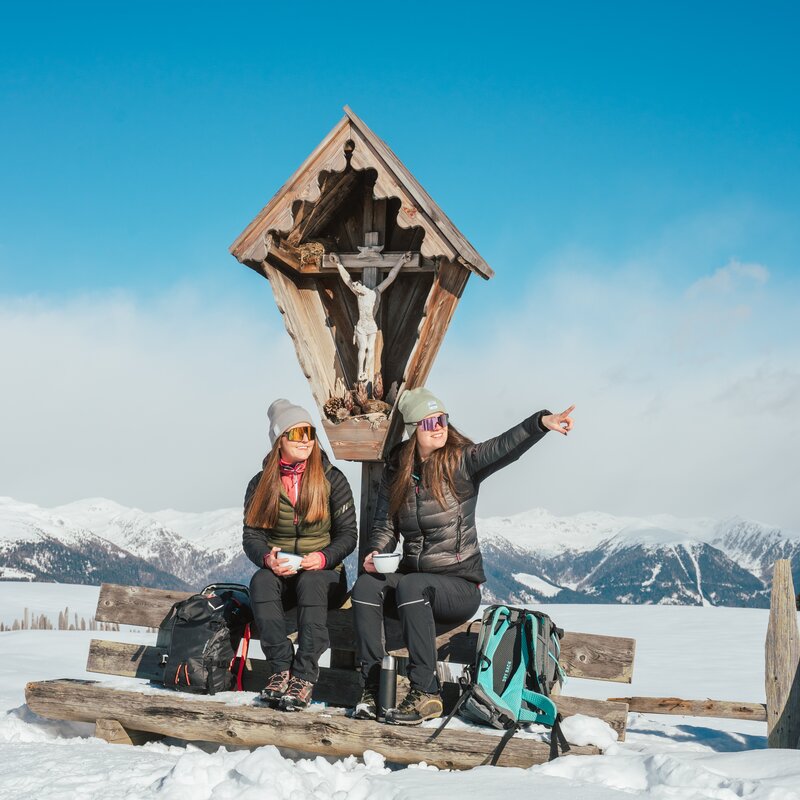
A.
pixel 732 277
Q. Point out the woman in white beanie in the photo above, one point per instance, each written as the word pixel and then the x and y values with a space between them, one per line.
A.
pixel 299 503
pixel 428 496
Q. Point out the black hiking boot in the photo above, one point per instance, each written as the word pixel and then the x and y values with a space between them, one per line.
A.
pixel 367 706
pixel 417 706
pixel 297 696
pixel 275 689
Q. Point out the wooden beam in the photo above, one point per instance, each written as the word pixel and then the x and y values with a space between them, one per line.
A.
pixel 355 262
pixel 727 709
pixel 325 732
pixel 439 309
pixel 371 473
pixel 284 254
pixel 782 662
pixel 326 206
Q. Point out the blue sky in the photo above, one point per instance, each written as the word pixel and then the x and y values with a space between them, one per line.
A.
pixel 629 170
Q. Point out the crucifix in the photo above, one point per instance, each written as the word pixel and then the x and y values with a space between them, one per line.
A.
pixel 368 296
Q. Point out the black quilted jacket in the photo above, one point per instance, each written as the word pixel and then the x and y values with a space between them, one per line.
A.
pixel 445 540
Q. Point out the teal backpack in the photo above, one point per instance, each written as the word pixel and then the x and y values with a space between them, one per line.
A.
pixel 516 668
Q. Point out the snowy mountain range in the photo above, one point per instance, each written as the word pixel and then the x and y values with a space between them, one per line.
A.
pixel 532 557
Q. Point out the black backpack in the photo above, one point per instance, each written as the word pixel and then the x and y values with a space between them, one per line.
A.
pixel 203 640
pixel 515 671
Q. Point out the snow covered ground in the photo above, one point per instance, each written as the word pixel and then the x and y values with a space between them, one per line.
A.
pixel 692 652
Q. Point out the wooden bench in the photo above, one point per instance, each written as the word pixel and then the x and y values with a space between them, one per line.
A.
pixel 133 716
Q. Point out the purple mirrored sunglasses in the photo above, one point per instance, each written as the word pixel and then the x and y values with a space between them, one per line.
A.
pixel 430 423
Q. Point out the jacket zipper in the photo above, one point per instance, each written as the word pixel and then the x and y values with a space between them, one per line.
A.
pixel 296 518
pixel 419 522
pixel 458 538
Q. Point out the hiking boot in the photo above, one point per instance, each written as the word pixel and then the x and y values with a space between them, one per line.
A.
pixel 367 706
pixel 297 696
pixel 417 706
pixel 275 689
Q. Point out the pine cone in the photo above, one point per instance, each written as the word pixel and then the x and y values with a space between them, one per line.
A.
pixel 377 407
pixel 332 407
pixel 361 393
pixel 348 400
pixel 377 387
pixel 342 414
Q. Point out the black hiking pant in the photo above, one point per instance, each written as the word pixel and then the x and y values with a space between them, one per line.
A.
pixel 312 593
pixel 419 600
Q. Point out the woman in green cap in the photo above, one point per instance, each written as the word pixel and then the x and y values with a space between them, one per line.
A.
pixel 428 496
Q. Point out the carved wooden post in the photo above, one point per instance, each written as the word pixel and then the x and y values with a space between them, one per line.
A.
pixel 782 674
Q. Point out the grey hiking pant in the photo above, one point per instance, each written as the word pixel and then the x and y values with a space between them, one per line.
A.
pixel 419 600
pixel 313 593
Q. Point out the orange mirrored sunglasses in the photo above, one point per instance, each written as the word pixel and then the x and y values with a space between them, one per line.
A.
pixel 297 434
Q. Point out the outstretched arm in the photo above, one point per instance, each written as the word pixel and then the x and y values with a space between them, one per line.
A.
pixel 342 271
pixel 389 279
pixel 483 459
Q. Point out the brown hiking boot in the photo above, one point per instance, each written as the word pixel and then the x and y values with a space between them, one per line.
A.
pixel 417 706
pixel 275 689
pixel 297 696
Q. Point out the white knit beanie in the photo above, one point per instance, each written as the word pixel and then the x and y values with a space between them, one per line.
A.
pixel 283 415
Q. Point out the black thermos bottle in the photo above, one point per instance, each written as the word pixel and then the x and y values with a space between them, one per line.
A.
pixel 387 688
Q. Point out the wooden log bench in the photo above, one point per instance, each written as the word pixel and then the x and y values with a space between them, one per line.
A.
pixel 139 713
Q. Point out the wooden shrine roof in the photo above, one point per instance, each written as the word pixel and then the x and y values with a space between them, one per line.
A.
pixel 417 208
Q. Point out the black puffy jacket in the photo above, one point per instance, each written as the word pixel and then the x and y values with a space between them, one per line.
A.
pixel 445 540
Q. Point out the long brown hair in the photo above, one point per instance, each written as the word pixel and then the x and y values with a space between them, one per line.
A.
pixel 312 503
pixel 439 469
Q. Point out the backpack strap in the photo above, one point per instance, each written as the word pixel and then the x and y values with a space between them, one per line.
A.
pixel 498 751
pixel 467 690
pixel 557 739
pixel 542 708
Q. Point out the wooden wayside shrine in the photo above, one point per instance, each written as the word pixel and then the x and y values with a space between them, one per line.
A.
pixel 354 200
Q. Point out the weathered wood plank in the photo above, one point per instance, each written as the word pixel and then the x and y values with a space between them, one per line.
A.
pixel 327 733
pixel 727 709
pixel 336 686
pixel 354 262
pixel 782 662
pixel 583 655
pixel 357 438
pixel 134 605
pixel 439 309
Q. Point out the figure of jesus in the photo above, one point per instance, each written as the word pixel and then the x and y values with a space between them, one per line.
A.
pixel 368 301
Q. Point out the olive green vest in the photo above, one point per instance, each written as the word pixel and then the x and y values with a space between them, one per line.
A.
pixel 301 537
